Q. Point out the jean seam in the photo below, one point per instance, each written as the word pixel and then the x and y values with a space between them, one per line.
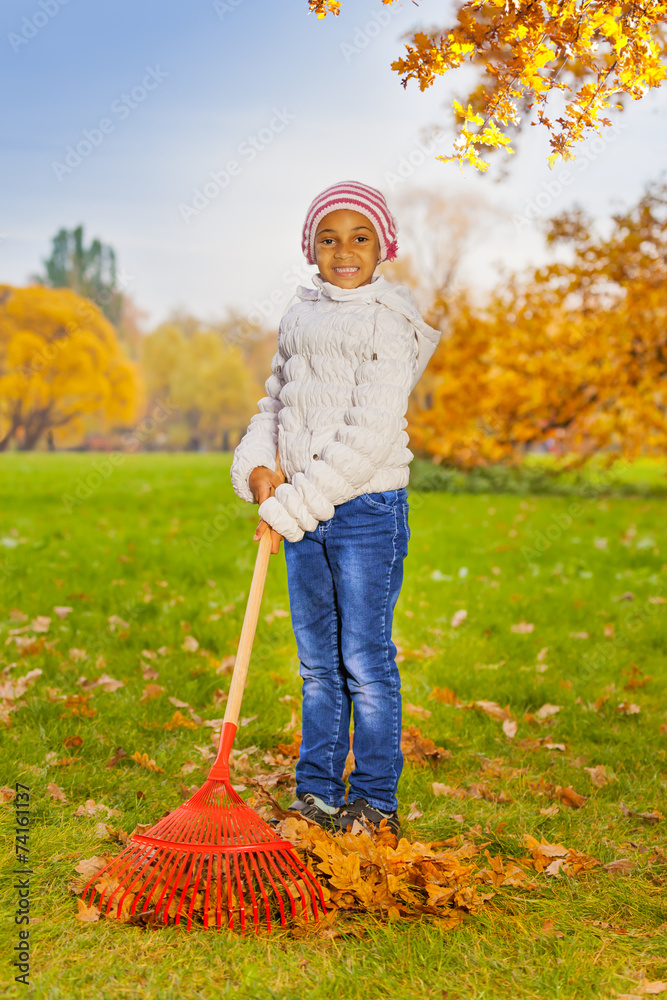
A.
pixel 337 714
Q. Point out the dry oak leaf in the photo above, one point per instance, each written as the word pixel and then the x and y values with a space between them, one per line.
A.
pixel 620 867
pixel 91 808
pixel 546 711
pixel 11 689
pixel 569 797
pixel 76 655
pixel 190 644
pixel 651 989
pixel 78 705
pixel 86 914
pixel 417 711
pixel 441 789
pixel 522 627
pixel 291 749
pixel 7 794
pixel 493 709
pixel 72 741
pixel 628 708
pixel 105 832
pixel 599 775
pixel 40 624
pixel 445 696
pixel 419 749
pixel 105 682
pixel 226 665
pixel 143 760
pixel 509 728
pixel 652 817
pixel 151 691
pixel 118 755
pixel 55 792
pixel 178 719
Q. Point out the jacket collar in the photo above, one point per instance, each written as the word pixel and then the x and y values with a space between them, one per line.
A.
pixel 371 292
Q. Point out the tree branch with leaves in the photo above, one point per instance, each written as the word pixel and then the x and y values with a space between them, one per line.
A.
pixel 594 52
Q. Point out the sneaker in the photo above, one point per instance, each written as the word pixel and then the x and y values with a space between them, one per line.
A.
pixel 317 811
pixel 367 816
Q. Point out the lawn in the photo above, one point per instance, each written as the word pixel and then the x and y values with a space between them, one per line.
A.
pixel 565 607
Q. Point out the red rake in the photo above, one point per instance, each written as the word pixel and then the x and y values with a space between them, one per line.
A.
pixel 213 854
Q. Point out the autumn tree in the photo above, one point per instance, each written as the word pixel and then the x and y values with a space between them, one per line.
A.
pixel 575 350
pixel 89 271
pixel 60 362
pixel 437 232
pixel 205 377
pixel 593 53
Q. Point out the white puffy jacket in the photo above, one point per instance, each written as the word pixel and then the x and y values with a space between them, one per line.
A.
pixel 347 360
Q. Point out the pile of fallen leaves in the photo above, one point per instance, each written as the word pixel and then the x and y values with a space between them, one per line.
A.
pixel 370 871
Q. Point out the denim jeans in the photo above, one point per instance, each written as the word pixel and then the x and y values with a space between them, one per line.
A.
pixel 344 579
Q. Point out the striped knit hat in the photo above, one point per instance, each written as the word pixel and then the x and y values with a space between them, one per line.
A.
pixel 360 198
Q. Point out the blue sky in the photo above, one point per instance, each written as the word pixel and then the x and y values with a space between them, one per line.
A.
pixel 181 89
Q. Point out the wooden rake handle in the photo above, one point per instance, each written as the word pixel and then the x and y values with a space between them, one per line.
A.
pixel 248 630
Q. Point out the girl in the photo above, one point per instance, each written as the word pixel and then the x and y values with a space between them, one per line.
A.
pixel 350 351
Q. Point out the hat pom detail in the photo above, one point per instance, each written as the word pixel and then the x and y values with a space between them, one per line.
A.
pixel 392 250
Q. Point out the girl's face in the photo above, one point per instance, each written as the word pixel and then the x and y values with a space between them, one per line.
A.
pixel 347 248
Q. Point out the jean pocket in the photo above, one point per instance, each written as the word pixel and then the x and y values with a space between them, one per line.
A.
pixel 387 500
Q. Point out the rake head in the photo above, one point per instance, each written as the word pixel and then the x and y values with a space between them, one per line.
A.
pixel 211 861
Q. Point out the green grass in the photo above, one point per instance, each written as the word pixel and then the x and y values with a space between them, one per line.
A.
pixel 504 559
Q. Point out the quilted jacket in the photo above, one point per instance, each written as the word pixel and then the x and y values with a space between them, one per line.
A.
pixel 335 404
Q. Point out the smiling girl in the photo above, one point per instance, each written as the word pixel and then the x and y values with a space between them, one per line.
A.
pixel 350 351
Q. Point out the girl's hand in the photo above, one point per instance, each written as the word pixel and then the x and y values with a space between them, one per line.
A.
pixel 262 483
pixel 276 539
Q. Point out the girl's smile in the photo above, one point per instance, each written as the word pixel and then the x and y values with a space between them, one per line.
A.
pixel 347 248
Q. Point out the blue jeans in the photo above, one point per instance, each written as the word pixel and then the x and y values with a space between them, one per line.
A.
pixel 344 579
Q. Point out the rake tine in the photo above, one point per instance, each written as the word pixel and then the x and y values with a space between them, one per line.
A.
pixel 253 897
pixel 288 870
pixel 199 869
pixel 253 862
pixel 230 908
pixel 240 891
pixel 275 887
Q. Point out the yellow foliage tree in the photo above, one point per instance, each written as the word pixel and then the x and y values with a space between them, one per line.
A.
pixel 206 378
pixel 60 362
pixel 592 51
pixel 575 351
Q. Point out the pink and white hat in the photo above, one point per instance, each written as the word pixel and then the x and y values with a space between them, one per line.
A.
pixel 360 198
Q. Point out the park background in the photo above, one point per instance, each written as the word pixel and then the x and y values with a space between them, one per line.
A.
pixel 157 165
